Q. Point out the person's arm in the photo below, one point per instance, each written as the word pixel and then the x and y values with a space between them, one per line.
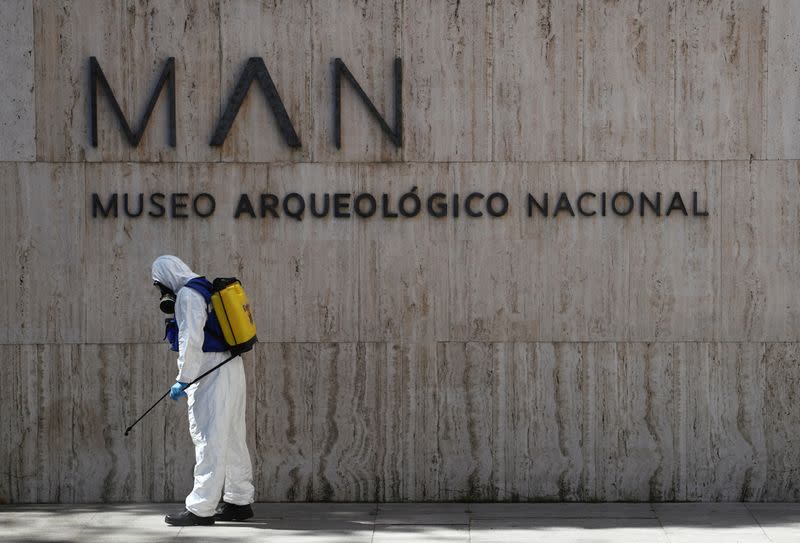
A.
pixel 190 312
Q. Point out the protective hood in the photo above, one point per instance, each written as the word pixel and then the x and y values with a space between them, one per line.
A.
pixel 172 272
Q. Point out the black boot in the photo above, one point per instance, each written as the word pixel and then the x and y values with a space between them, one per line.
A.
pixel 229 511
pixel 187 518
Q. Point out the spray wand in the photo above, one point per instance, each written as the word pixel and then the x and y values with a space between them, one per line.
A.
pixel 231 357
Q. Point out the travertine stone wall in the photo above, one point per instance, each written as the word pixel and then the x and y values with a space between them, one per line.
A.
pixel 514 358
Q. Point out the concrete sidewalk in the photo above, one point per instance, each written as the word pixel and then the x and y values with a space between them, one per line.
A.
pixel 380 523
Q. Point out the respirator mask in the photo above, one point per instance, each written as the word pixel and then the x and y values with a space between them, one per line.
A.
pixel 167 301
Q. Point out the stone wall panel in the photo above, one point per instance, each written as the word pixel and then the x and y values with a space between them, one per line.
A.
pixel 760 298
pixel 583 262
pixel 345 426
pixel 407 470
pixel 537 87
pixel 279 33
pixel 446 93
pixel 67 34
pixel 117 384
pixel 783 74
pixel 41 272
pixel 471 433
pixel 282 389
pixel 726 454
pixel 675 261
pixel 17 111
pixel 403 262
pixel 719 85
pixel 629 73
pixel 547 450
pixel 636 422
pixel 781 418
pixel 368 47
pixel 19 424
pixel 119 297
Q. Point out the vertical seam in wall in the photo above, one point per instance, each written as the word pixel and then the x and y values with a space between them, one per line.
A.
pixel 684 436
pixel 361 245
pixel 763 427
pixel 314 372
pixel 401 50
pixel 765 14
pixel 221 79
pixel 33 82
pixel 720 226
pixel 313 154
pixel 85 312
pixel 718 334
pixel 489 56
pixel 582 69
pixel 675 36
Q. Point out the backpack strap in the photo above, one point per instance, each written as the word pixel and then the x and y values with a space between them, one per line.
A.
pixel 203 286
pixel 212 327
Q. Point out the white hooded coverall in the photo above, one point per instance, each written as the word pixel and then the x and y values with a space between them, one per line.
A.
pixel 216 402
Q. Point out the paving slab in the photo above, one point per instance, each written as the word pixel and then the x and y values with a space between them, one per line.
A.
pixel 685 522
pixel 421 532
pixel 44 523
pixel 423 514
pixel 704 514
pixel 316 511
pixel 551 530
pixel 780 522
pixel 561 510
pixel 280 531
pixel 130 522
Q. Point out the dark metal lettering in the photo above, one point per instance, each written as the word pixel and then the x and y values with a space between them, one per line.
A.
pixel 244 206
pixel 341 205
pixel 365 196
pixel 579 204
pixel 296 213
pixel 269 202
pixel 437 206
pixel 645 201
pixel 468 204
pixel 97 205
pixel 125 206
pixel 532 202
pixel 503 204
pixel 96 76
pixel 628 197
pixel 156 201
pixel 326 203
pixel 385 211
pixel 677 205
pixel 255 69
pixel 177 203
pixel 563 205
pixel 412 196
pixel 695 208
pixel 340 70
pixel 212 204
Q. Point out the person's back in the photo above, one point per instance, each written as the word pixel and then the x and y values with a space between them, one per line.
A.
pixel 216 403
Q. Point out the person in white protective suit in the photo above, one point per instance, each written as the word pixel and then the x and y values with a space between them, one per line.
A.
pixel 216 404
